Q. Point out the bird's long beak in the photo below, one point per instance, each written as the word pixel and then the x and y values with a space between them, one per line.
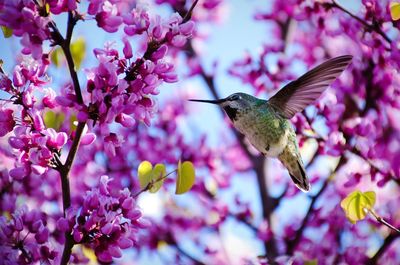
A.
pixel 218 101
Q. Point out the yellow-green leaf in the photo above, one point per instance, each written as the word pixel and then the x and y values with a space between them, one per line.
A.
pixel 7 215
pixel 47 7
pixel 144 173
pixel 395 10
pixel 89 253
pixel 157 176
pixel 186 177
pixel 78 51
pixel 53 120
pixel 73 122
pixel 56 56
pixel 356 204
pixel 311 262
pixel 7 32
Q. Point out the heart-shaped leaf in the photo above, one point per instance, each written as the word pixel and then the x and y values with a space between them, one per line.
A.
pixel 186 177
pixel 78 51
pixel 356 204
pixel 395 10
pixel 157 176
pixel 54 120
pixel 55 56
pixel 144 173
pixel 7 32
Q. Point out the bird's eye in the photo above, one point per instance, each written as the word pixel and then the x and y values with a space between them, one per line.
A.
pixel 234 97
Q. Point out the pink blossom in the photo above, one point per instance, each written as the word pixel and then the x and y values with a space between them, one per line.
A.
pixel 7 122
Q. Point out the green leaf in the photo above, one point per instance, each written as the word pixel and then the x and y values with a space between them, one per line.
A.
pixel 7 32
pixel 395 10
pixel 56 56
pixel 311 262
pixel 186 177
pixel 89 253
pixel 144 173
pixel 73 122
pixel 47 8
pixel 356 204
pixel 78 51
pixel 53 120
pixel 157 176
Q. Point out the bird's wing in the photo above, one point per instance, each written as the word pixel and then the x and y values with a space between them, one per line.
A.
pixel 300 93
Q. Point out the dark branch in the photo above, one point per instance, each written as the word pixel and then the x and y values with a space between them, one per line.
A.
pixel 175 244
pixel 244 221
pixel 66 167
pixel 371 27
pixel 386 244
pixel 188 15
pixel 285 32
pixel 291 245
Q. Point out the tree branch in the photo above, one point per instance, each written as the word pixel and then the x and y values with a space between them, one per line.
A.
pixel 291 245
pixel 65 45
pixel 372 27
pixel 187 255
pixel 189 13
pixel 175 244
pixel 66 167
pixel 70 27
pixel 357 152
pixel 285 31
pixel 382 221
pixel 386 244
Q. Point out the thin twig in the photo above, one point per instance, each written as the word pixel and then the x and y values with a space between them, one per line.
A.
pixel 357 152
pixel 188 15
pixel 381 220
pixel 368 26
pixel 187 255
pixel 285 32
pixel 68 56
pixel 151 184
pixel 244 221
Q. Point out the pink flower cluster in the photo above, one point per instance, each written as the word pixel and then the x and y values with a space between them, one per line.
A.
pixel 7 121
pixel 115 99
pixel 121 90
pixel 27 20
pixel 36 147
pixel 137 21
pixel 108 221
pixel 35 143
pixel 24 238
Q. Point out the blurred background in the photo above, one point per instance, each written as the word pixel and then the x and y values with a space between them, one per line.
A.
pixel 244 206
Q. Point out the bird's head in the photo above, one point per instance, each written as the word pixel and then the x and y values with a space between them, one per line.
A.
pixel 233 103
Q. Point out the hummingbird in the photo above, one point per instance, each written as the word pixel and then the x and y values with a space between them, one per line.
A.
pixel 266 123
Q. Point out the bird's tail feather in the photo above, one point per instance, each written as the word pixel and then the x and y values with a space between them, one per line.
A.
pixel 300 180
pixel 296 169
